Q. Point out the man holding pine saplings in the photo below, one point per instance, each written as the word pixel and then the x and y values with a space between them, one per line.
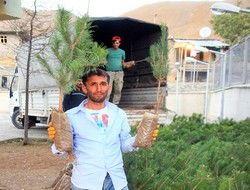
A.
pixel 100 133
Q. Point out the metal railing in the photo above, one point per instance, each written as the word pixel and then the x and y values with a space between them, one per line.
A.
pixel 237 66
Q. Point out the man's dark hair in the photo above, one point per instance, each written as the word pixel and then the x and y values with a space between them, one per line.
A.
pixel 94 72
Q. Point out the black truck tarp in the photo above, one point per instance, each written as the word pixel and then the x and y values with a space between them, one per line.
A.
pixel 137 36
pixel 140 86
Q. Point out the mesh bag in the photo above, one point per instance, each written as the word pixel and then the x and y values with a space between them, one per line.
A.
pixel 145 130
pixel 63 138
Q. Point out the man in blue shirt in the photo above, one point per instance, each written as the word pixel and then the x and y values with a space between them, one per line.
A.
pixel 100 134
pixel 115 63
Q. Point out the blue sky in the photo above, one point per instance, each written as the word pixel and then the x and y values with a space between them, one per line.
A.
pixel 96 8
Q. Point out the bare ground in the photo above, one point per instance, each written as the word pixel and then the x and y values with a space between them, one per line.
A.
pixel 29 167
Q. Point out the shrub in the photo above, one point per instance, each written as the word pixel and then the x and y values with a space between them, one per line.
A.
pixel 189 154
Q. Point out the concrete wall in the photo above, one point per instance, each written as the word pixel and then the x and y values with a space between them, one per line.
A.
pixel 214 106
pixel 236 103
pixel 7 54
pixel 188 103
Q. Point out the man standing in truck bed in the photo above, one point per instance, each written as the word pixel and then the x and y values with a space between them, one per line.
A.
pixel 115 63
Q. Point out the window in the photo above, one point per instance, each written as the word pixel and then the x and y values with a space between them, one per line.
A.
pixel 3 39
pixel 4 82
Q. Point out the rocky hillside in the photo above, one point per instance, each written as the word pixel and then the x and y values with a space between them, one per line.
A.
pixel 183 18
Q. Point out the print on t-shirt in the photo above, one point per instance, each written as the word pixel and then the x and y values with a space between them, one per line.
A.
pixel 100 119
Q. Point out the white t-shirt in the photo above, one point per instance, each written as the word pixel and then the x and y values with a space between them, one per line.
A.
pixel 100 117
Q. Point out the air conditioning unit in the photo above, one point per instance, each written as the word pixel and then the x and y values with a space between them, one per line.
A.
pixel 10 9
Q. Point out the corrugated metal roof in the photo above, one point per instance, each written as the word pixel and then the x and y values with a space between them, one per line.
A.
pixel 205 43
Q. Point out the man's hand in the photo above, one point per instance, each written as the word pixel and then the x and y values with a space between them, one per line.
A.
pixel 51 131
pixel 155 133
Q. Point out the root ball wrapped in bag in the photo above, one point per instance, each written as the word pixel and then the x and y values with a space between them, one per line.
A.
pixel 63 138
pixel 146 129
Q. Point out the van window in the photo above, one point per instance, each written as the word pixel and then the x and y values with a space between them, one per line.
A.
pixel 4 82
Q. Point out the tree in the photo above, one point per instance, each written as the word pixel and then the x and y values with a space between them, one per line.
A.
pixel 26 119
pixel 31 25
pixel 158 59
pixel 27 28
pixel 232 27
pixel 74 51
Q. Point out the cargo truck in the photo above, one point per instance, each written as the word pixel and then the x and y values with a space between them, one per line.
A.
pixel 139 84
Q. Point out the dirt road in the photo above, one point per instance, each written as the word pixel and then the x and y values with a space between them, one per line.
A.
pixel 30 167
